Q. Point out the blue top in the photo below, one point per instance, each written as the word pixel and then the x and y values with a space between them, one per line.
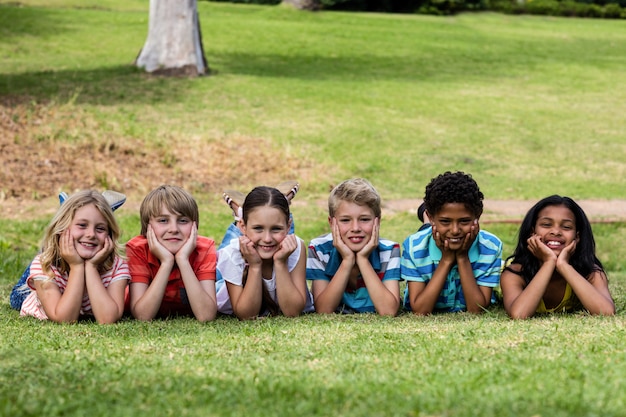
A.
pixel 420 257
pixel 324 260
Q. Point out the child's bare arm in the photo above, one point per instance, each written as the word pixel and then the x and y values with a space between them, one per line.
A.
pixel 423 295
pixel 520 301
pixel 201 294
pixel 290 286
pixel 384 294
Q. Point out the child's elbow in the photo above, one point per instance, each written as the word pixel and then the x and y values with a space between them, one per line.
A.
pixel 388 313
pixel 608 310
pixel 205 318
pixel 519 315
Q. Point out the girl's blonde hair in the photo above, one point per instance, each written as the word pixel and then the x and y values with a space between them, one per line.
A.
pixel 62 220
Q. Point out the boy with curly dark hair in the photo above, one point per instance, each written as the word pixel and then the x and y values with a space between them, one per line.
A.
pixel 452 265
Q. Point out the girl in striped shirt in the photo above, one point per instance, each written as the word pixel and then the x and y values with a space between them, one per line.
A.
pixel 79 272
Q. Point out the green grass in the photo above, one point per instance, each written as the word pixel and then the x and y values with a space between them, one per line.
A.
pixel 529 105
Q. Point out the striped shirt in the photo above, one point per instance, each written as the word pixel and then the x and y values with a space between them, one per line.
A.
pixel 323 261
pixel 421 256
pixel 33 307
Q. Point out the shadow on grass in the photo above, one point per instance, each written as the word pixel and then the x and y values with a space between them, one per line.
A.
pixel 16 20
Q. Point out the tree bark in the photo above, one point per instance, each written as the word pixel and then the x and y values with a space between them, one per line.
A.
pixel 311 5
pixel 174 43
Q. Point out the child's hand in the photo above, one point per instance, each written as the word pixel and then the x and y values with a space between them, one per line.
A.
pixel 444 246
pixel 566 253
pixel 469 239
pixel 287 246
pixel 373 242
pixel 103 253
pixel 157 248
pixel 540 250
pixel 68 249
pixel 343 249
pixel 190 244
pixel 248 251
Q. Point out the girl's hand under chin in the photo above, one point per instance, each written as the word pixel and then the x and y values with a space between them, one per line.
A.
pixel 248 251
pixel 68 249
pixel 103 253
pixel 540 250
pixel 287 247
pixel 566 253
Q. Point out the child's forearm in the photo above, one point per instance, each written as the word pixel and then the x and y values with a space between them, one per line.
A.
pixel 327 301
pixel 595 299
pixel 385 302
pixel 248 302
pixel 475 300
pixel 290 298
pixel 203 305
pixel 105 309
pixel 147 305
pixel 424 302
pixel 65 307
pixel 526 303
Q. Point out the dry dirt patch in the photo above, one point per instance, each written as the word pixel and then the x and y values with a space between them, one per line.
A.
pixel 50 148
pixel 47 149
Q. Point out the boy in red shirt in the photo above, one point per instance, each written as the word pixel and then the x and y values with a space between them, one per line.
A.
pixel 172 268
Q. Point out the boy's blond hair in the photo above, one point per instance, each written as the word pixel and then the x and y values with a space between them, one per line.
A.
pixel 355 190
pixel 175 199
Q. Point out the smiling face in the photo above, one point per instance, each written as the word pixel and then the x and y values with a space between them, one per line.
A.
pixel 453 222
pixel 89 230
pixel 355 223
pixel 171 230
pixel 556 226
pixel 266 227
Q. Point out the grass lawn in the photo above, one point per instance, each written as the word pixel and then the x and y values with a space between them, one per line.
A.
pixel 529 105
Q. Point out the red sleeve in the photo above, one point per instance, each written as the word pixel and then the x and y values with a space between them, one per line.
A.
pixel 205 260
pixel 138 258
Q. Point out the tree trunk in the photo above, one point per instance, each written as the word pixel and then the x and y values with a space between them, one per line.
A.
pixel 312 5
pixel 174 44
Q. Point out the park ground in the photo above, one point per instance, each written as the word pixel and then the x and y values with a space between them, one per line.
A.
pixel 36 166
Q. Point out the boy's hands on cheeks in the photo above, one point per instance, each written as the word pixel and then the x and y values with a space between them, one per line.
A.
pixel 469 238
pixel 157 248
pixel 343 249
pixel 373 242
pixel 444 246
pixel 248 251
pixel 68 249
pixel 287 246
pixel 190 244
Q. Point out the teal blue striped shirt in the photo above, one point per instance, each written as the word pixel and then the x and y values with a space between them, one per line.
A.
pixel 420 257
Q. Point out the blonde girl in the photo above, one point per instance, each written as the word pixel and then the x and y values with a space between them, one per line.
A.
pixel 79 272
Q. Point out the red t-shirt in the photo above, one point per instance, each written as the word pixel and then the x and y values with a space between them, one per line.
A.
pixel 144 266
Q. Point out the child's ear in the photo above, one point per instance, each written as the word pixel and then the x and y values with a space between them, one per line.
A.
pixel 330 221
pixel 241 225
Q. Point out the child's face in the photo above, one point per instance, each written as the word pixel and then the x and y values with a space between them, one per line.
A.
pixel 556 226
pixel 171 230
pixel 453 223
pixel 355 223
pixel 266 227
pixel 89 230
